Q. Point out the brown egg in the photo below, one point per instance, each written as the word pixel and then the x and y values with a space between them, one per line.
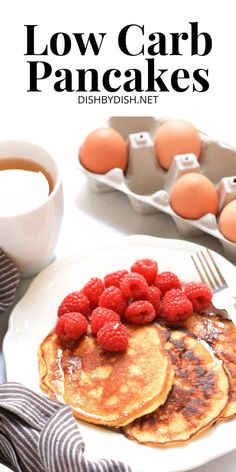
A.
pixel 227 221
pixel 103 150
pixel 176 137
pixel 193 195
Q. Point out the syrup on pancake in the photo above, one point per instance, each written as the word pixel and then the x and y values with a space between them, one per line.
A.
pixel 220 334
pixel 104 387
pixel 198 396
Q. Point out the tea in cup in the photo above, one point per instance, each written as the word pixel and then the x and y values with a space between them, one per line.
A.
pixel 31 205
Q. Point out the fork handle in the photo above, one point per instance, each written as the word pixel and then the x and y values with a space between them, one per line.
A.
pixel 230 307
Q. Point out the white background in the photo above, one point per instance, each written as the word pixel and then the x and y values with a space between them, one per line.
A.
pixel 57 122
pixel 56 117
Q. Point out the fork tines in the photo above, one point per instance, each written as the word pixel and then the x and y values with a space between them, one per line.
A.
pixel 208 270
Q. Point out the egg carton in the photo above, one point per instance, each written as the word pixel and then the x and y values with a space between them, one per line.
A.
pixel 148 185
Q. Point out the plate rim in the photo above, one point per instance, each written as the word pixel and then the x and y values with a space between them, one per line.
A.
pixel 175 244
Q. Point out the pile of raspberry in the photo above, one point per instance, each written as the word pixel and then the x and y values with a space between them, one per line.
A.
pixel 139 296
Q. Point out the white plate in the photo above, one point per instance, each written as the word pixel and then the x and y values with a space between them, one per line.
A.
pixel 35 315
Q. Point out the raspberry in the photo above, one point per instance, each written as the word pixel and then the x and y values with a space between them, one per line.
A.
pixel 154 297
pixel 93 290
pixel 133 286
pixel 100 316
pixel 114 278
pixel 113 337
pixel 113 299
pixel 147 268
pixel 176 306
pixel 166 281
pixel 199 294
pixel 75 301
pixel 71 326
pixel 140 312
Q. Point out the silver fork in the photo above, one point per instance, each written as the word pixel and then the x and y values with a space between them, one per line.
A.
pixel 223 296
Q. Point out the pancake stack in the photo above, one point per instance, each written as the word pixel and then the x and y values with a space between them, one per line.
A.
pixel 168 387
pixel 108 388
pixel 220 334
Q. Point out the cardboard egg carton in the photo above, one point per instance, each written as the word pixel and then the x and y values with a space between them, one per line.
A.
pixel 148 185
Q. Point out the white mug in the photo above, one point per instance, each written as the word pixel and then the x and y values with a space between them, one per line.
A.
pixel 30 238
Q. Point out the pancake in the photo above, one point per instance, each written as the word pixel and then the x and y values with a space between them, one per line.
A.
pixel 198 396
pixel 221 335
pixel 103 387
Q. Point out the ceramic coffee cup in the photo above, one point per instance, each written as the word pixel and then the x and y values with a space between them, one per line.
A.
pixel 30 237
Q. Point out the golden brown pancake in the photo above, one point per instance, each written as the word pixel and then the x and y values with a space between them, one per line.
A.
pixel 108 388
pixel 221 335
pixel 198 396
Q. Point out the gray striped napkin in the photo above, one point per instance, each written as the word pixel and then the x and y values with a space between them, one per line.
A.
pixel 9 281
pixel 36 433
pixel 40 435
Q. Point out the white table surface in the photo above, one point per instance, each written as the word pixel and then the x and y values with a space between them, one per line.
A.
pixel 91 217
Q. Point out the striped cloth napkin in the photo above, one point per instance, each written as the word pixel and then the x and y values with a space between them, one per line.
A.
pixel 41 435
pixel 36 433
pixel 9 281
